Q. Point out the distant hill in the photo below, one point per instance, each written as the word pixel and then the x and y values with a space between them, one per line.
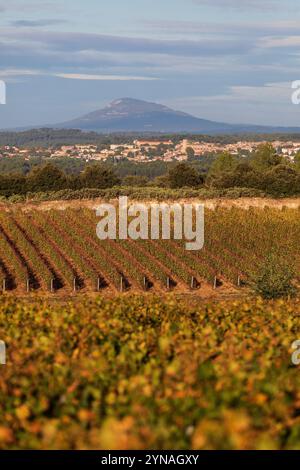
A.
pixel 48 137
pixel 131 115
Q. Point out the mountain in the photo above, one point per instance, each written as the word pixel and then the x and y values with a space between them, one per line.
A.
pixel 128 115
pixel 131 115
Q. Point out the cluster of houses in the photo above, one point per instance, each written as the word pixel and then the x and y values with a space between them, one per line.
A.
pixel 145 150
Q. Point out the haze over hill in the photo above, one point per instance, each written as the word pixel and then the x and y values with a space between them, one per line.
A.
pixel 131 115
pixel 128 115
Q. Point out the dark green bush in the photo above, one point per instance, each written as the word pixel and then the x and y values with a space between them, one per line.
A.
pixel 274 278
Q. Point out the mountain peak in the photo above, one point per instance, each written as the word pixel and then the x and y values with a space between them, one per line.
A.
pixel 134 106
pixel 133 115
pixel 119 101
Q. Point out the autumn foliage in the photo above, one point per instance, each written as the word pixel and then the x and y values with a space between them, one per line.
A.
pixel 140 372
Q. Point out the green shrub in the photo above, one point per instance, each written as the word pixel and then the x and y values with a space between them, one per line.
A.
pixel 148 192
pixel 274 278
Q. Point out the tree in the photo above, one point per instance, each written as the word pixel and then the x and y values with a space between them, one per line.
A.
pixel 135 181
pixel 184 175
pixel 99 176
pixel 224 162
pixel 12 184
pixel 282 180
pixel 297 161
pixel 265 157
pixel 190 153
pixel 46 178
pixel 242 176
pixel 161 181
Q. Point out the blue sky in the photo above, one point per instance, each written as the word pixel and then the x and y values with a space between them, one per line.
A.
pixel 225 60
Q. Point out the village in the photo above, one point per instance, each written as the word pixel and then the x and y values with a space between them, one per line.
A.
pixel 140 151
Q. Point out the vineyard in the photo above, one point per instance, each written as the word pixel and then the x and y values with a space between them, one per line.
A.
pixel 139 372
pixel 57 251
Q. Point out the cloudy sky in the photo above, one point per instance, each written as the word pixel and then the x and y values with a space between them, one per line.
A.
pixel 225 60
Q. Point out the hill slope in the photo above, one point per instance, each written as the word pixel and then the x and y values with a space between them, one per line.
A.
pixel 130 115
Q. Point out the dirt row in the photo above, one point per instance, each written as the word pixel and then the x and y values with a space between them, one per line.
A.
pixel 83 283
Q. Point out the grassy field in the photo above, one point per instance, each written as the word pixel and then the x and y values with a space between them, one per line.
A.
pixel 144 372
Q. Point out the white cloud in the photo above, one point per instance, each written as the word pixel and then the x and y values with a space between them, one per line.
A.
pixel 19 73
pixel 13 73
pixel 82 76
pixel 262 5
pixel 268 104
pixel 289 41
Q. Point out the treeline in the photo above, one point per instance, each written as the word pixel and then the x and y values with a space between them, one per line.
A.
pixel 46 137
pixel 123 168
pixel 75 166
pixel 264 171
pixel 50 178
